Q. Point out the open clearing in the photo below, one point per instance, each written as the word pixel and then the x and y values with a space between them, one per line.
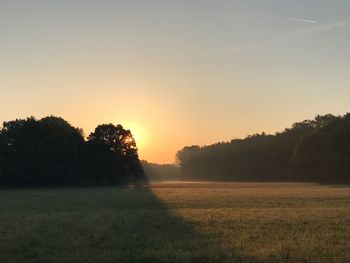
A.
pixel 177 222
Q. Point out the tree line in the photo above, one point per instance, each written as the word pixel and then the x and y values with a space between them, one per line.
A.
pixel 316 150
pixel 51 152
pixel 162 172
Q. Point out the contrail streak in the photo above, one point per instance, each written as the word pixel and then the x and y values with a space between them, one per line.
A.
pixel 286 37
pixel 303 20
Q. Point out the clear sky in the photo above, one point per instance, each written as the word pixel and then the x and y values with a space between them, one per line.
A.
pixel 175 72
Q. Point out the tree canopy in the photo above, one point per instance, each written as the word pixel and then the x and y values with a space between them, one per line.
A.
pixel 315 150
pixel 50 152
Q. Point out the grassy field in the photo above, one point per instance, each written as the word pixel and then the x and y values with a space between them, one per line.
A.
pixel 177 222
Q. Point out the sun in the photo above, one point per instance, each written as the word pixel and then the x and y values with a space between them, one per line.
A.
pixel 138 134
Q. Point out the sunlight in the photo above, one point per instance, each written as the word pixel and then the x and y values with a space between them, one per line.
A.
pixel 138 133
pixel 128 139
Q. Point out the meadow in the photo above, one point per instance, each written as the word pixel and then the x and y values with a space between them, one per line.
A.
pixel 177 222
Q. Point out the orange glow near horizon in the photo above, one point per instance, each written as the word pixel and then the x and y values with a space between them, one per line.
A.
pixel 138 134
pixel 176 73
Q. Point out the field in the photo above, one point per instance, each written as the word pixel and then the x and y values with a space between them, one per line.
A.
pixel 177 222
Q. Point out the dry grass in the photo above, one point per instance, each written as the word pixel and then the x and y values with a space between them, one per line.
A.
pixel 177 222
pixel 266 221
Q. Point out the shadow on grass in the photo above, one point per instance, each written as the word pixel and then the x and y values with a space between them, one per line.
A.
pixel 100 225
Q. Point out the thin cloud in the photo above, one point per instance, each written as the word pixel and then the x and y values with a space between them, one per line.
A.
pixel 287 37
pixel 303 20
pixel 321 28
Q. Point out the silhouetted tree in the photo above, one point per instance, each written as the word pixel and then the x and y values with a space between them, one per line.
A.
pixel 324 154
pixel 116 138
pixel 43 152
pixel 311 150
pixel 3 156
pixel 112 155
pixel 51 152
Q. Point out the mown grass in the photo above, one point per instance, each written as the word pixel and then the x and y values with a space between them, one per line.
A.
pixel 177 222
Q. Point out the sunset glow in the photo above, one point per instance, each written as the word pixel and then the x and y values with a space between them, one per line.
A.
pixel 138 134
pixel 175 74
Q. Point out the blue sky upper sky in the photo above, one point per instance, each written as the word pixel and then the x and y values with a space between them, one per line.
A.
pixel 175 72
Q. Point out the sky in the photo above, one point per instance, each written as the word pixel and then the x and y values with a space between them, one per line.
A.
pixel 178 72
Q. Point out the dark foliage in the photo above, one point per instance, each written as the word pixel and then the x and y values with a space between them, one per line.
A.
pixel 51 152
pixel 112 150
pixel 313 150
pixel 324 154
